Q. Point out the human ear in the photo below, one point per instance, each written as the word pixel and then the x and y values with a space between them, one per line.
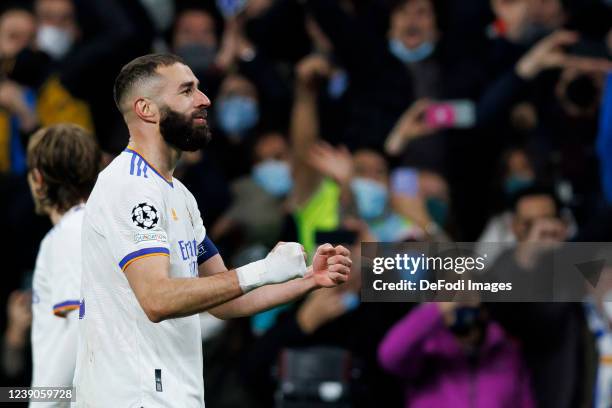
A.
pixel 146 110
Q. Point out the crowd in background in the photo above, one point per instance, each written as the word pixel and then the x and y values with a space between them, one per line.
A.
pixel 350 121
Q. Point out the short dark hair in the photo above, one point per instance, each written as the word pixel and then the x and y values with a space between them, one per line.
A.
pixel 537 190
pixel 140 68
pixel 68 159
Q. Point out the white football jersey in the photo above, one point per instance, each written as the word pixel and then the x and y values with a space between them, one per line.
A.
pixel 125 360
pixel 55 293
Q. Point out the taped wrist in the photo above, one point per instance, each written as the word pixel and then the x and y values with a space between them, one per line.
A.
pixel 286 262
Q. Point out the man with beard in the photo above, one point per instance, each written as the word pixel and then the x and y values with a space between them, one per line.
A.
pixel 148 266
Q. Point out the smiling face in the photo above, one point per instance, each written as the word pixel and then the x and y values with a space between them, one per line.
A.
pixel 414 23
pixel 183 117
pixel 158 95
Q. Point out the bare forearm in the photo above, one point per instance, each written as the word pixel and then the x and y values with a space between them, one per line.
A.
pixel 304 127
pixel 184 297
pixel 264 298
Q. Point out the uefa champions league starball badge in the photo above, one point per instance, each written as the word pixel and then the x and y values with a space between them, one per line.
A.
pixel 145 216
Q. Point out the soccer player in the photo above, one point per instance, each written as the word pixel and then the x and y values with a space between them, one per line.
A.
pixel 63 163
pixel 148 266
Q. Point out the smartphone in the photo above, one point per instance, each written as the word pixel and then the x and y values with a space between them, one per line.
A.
pixel 336 237
pixel 405 181
pixel 459 113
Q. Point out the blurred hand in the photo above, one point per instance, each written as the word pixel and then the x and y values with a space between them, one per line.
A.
pixel 336 163
pixel 331 266
pixel 547 230
pixel 229 44
pixel 410 126
pixel 12 99
pixel 413 208
pixel 545 234
pixel 548 53
pixel 311 69
pixel 19 313
pixel 320 307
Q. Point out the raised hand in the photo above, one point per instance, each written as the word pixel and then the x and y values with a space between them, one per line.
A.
pixel 311 69
pixel 411 125
pixel 548 53
pixel 336 163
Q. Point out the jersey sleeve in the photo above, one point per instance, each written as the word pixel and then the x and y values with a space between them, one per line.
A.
pixel 195 216
pixel 206 248
pixel 137 223
pixel 66 274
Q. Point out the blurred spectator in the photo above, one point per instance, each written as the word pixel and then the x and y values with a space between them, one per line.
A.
pixel 225 350
pixel 551 334
pixel 388 74
pixel 17 32
pixel 517 174
pixel 94 39
pixel 314 203
pixel 57 27
pixel 262 192
pixel 201 174
pixel 236 114
pixel 428 96
pixel 195 39
pixel 450 354
pixel 327 321
pixel 422 196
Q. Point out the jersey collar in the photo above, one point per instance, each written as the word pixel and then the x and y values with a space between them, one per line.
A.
pixel 134 151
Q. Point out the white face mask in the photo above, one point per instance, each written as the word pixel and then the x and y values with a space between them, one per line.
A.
pixel 54 41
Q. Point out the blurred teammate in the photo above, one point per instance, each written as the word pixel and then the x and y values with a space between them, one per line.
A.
pixel 148 265
pixel 63 165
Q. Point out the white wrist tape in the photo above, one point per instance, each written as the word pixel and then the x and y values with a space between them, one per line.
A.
pixel 284 263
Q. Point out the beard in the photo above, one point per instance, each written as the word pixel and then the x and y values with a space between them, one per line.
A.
pixel 180 131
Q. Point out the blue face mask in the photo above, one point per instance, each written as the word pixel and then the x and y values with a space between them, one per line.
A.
pixel 274 176
pixel 437 209
pixel 514 184
pixel 408 55
pixel 237 114
pixel 390 229
pixel 371 197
